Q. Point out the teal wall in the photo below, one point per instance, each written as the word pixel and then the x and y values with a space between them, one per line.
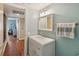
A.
pixel 65 13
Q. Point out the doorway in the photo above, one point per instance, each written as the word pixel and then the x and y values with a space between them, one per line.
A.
pixel 12 36
pixel 15 37
pixel 13 25
pixel 15 31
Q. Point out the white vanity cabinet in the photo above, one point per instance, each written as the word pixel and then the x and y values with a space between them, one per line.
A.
pixel 41 46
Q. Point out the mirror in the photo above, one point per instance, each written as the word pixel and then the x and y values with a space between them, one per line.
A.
pixel 46 23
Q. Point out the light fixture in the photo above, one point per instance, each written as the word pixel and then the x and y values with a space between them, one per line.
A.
pixel 17 14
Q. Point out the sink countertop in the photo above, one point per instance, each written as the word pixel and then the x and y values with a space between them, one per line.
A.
pixel 42 40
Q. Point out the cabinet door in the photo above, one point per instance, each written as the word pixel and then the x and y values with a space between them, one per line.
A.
pixel 22 28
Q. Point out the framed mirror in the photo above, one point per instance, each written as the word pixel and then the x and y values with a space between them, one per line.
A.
pixel 46 23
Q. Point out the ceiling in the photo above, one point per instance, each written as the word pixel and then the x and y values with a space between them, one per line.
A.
pixel 20 7
pixel 35 6
pixel 13 11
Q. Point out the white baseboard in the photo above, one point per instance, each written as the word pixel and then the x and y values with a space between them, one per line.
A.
pixel 4 46
pixel 1 48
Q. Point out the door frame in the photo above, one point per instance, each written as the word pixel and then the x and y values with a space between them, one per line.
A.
pixel 25 40
pixel 17 25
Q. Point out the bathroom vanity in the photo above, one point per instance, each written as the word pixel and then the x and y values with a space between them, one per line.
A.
pixel 41 46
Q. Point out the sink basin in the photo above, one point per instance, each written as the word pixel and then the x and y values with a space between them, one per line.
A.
pixel 42 40
pixel 38 36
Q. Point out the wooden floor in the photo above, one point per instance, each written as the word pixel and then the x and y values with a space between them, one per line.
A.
pixel 14 47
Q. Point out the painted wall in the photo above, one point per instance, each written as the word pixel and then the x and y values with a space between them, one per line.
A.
pixel 65 13
pixel 31 21
pixel 1 28
pixel 1 24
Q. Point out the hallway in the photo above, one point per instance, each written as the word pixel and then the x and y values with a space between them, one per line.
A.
pixel 14 47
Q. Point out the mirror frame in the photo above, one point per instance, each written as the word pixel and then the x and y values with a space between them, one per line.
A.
pixel 52 22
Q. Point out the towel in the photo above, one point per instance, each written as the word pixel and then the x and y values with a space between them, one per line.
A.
pixel 66 30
